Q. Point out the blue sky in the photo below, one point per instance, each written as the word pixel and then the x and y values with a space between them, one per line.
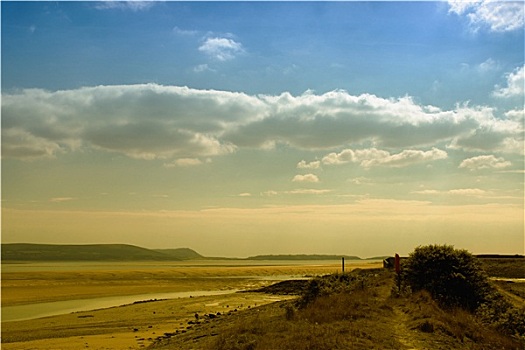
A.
pixel 210 121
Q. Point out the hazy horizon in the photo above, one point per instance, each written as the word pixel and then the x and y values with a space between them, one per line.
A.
pixel 264 128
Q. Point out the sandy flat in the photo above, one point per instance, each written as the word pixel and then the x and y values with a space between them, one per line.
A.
pixel 125 327
pixel 134 326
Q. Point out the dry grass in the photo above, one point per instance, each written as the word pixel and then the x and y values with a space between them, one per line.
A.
pixel 364 318
pixel 508 267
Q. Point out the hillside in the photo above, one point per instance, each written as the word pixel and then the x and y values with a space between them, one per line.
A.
pixel 181 253
pixel 90 252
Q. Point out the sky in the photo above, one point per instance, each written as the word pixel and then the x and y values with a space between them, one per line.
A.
pixel 242 128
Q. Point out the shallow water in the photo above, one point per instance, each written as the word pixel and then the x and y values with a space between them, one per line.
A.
pixel 32 311
pixel 103 266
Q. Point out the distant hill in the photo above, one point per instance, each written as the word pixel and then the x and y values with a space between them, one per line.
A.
pixel 181 253
pixel 378 257
pixel 302 257
pixel 89 252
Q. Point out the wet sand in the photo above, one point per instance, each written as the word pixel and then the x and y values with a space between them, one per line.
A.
pixel 135 326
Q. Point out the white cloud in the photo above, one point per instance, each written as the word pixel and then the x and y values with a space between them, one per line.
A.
pixel 305 178
pixel 498 16
pixel 311 165
pixel 515 84
pixel 484 162
pixel 374 157
pixel 222 49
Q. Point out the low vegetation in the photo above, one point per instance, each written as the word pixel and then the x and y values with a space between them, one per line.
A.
pixel 446 302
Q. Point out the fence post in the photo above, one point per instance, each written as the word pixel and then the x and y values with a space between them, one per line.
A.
pixel 343 264
pixel 397 266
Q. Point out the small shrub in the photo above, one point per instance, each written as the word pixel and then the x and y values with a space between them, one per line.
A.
pixel 426 326
pixel 290 312
pixel 453 277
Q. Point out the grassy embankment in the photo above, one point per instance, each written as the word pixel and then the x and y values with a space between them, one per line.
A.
pixel 357 311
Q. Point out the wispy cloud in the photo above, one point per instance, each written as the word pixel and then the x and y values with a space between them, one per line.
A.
pixel 497 16
pixel 468 192
pixel 476 192
pixel 125 5
pixel 183 162
pixel 203 68
pixel 61 199
pixel 184 32
pixel 484 162
pixel 222 49
pixel 298 191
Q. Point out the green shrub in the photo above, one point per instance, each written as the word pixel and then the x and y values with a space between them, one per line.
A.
pixel 453 277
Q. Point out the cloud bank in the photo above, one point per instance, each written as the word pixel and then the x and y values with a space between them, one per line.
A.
pixel 150 121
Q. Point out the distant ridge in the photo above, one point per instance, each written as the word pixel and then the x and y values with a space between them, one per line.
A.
pixel 302 257
pixel 88 252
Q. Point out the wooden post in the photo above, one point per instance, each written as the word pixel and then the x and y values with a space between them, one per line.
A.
pixel 397 266
pixel 343 264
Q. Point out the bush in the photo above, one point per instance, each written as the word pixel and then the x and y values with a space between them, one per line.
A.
pixel 453 277
pixel 332 284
